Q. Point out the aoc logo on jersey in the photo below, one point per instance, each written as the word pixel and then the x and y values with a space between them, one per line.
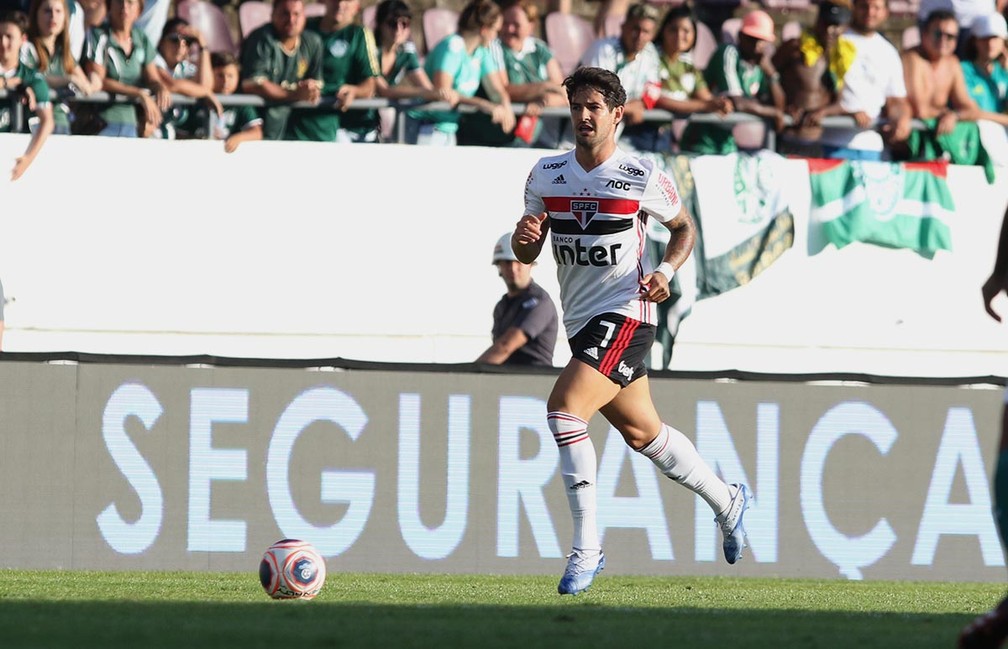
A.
pixel 583 211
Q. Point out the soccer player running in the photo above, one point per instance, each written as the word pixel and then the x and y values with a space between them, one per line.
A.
pixel 593 202
pixel 990 629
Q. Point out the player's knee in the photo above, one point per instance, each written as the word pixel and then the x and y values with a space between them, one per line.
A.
pixel 636 438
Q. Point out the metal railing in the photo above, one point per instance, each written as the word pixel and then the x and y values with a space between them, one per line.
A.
pixel 18 118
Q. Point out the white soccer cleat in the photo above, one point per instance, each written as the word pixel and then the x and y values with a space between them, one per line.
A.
pixel 581 571
pixel 730 521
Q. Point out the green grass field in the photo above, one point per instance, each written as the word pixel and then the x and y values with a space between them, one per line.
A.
pixel 56 609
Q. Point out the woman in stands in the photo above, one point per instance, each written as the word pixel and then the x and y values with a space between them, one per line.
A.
pixel 683 89
pixel 122 57
pixel 402 76
pixel 49 51
pixel 534 77
pixel 461 62
pixel 182 75
pixel 986 77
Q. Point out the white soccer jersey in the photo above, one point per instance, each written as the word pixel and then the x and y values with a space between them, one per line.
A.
pixel 598 231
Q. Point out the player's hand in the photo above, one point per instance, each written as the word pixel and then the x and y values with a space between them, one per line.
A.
pixel 655 287
pixel 990 290
pixel 530 228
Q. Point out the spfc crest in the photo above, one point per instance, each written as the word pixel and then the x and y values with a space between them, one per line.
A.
pixel 583 211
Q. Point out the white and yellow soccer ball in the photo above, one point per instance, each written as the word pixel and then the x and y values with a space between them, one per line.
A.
pixel 292 569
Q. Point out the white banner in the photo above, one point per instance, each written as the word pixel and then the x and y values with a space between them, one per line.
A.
pixel 383 253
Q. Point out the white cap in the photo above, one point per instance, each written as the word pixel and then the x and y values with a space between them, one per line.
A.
pixel 503 251
pixel 992 24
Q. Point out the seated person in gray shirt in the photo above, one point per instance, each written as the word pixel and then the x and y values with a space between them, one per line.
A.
pixel 525 318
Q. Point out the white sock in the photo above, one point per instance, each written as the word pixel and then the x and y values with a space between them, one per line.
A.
pixel 676 457
pixel 578 467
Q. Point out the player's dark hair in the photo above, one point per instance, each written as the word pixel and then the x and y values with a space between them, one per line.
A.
pixel 600 79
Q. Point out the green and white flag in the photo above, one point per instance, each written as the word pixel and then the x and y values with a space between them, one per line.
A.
pixel 744 230
pixel 899 205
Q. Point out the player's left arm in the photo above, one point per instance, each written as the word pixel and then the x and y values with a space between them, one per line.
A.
pixel 680 244
pixel 683 236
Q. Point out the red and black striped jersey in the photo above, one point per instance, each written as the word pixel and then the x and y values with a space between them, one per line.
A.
pixel 598 234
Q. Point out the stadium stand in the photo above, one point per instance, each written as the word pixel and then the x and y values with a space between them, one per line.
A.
pixel 787 6
pixel 899 8
pixel 706 43
pixel 730 29
pixel 211 21
pixel 613 25
pixel 791 29
pixel 910 37
pixel 438 22
pixel 568 35
pixel 253 14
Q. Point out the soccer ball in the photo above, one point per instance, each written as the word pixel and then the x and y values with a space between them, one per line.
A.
pixel 292 569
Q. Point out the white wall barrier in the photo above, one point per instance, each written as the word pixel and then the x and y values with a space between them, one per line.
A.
pixel 297 250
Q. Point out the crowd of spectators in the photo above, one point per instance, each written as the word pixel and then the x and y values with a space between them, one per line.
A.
pixel 309 71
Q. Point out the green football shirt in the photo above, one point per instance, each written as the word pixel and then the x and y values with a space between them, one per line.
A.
pixel 263 57
pixel 348 56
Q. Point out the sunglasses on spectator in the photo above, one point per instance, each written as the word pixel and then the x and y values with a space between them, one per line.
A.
pixel 179 38
pixel 939 34
pixel 398 22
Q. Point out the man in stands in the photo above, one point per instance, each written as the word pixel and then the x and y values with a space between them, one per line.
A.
pixel 810 67
pixel 745 74
pixel 636 61
pixel 872 86
pixel 282 63
pixel 349 70
pixel 936 89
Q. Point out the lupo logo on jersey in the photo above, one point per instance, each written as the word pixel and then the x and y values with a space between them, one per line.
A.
pixel 553 165
pixel 583 211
